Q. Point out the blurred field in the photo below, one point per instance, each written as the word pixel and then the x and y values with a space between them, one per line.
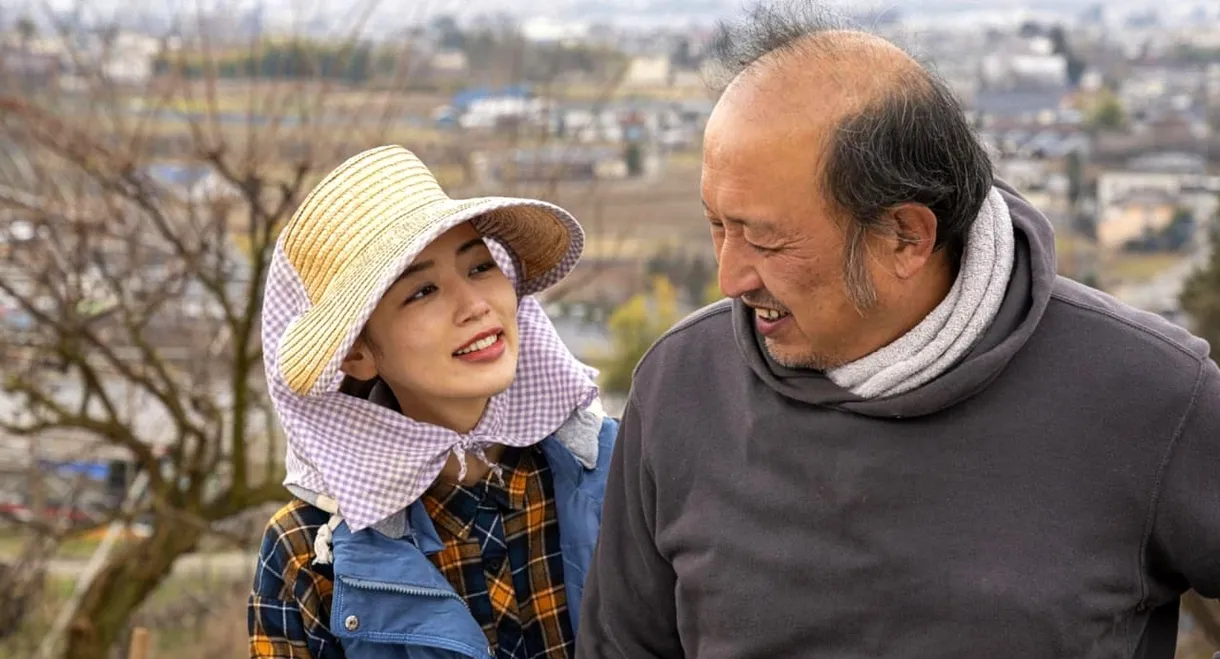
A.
pixel 189 618
pixel 1130 267
pixel 80 547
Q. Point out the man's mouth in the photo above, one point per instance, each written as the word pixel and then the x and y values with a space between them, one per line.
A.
pixel 770 315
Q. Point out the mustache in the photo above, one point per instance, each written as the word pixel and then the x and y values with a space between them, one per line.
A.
pixel 763 299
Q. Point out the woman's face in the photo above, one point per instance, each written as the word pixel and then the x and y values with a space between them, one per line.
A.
pixel 444 336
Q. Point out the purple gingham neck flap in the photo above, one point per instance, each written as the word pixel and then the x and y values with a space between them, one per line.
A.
pixel 374 461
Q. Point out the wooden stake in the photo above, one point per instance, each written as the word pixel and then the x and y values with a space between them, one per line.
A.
pixel 139 644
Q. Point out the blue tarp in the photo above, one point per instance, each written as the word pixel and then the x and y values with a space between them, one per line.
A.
pixel 464 98
pixel 94 470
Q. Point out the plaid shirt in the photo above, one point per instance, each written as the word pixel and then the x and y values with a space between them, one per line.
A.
pixel 502 556
pixel 501 553
pixel 289 611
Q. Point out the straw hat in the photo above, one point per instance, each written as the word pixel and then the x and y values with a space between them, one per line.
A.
pixel 366 222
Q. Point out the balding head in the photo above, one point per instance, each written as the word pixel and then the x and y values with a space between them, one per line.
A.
pixel 817 80
pixel 850 66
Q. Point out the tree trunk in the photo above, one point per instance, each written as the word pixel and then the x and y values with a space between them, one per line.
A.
pixel 130 575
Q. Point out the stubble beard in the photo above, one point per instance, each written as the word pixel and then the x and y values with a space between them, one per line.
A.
pixel 810 361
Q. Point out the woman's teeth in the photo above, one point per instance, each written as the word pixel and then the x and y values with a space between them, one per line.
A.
pixel 485 342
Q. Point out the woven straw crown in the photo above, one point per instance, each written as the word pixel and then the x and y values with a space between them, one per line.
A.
pixel 365 223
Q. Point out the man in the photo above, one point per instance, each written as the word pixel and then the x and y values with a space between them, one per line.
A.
pixel 904 436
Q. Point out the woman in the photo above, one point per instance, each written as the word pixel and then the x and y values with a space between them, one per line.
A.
pixel 446 453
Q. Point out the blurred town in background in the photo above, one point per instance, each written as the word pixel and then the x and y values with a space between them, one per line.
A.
pixel 136 444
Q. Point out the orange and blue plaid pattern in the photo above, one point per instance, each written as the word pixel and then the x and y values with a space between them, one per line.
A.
pixel 289 611
pixel 502 555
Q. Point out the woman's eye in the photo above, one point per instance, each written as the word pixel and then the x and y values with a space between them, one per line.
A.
pixel 484 267
pixel 422 293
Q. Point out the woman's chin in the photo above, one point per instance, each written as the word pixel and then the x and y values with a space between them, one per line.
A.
pixel 492 381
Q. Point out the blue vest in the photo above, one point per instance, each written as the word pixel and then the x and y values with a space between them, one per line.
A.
pixel 390 601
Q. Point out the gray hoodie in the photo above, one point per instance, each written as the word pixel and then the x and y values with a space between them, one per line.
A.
pixel 1050 496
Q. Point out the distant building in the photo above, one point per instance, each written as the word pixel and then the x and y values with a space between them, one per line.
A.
pixel 1043 185
pixel 648 71
pixel 1115 185
pixel 129 59
pixel 31 70
pixel 1116 150
pixel 191 182
pixel 670 124
pixel 560 162
pixel 1132 202
pixel 1155 88
pixel 1134 216
pixel 1025 64
pixel 1092 80
pixel 448 63
pixel 1169 162
pixel 489 108
pixel 544 29
pixel 1052 142
pixel 1041 107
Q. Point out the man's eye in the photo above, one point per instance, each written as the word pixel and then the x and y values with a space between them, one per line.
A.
pixel 762 250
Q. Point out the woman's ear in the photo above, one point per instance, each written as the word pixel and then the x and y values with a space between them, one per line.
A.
pixel 359 362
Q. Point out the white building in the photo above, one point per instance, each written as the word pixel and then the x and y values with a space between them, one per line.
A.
pixel 648 71
pixel 130 58
pixel 491 111
pixel 1024 64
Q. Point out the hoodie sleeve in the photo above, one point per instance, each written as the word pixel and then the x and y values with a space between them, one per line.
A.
pixel 1185 541
pixel 628 610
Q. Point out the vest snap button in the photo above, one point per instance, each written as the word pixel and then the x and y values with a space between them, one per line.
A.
pixel 352 623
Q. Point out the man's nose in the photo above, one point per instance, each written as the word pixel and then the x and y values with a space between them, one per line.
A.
pixel 736 274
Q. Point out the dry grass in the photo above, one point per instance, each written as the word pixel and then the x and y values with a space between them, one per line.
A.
pixel 590 92
pixel 665 208
pixel 194 631
pixel 78 547
pixel 188 619
pixel 235 96
pixel 1128 268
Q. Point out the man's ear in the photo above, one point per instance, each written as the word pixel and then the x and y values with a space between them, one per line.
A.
pixel 359 362
pixel 911 239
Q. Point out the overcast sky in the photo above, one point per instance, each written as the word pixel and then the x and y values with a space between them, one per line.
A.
pixel 400 13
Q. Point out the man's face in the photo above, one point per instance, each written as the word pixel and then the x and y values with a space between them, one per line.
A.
pixel 779 240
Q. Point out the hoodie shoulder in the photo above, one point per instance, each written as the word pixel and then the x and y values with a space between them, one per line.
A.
pixel 700 317
pixel 707 328
pixel 1113 324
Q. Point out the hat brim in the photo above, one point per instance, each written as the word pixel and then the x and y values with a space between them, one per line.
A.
pixel 544 240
